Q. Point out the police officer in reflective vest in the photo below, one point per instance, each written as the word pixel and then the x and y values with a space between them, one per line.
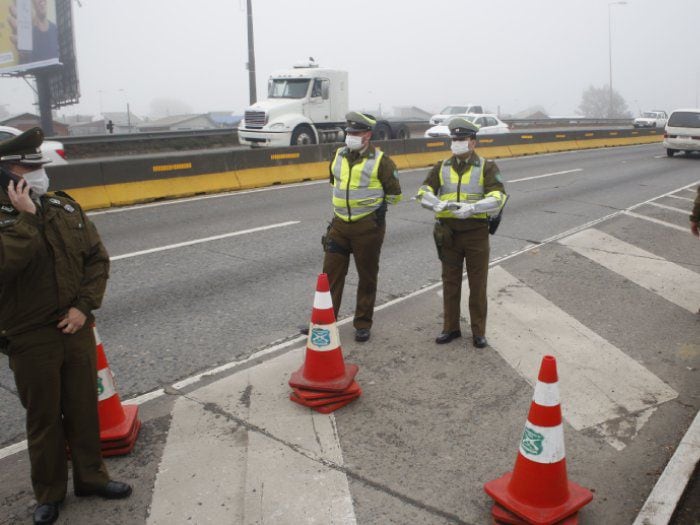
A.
pixel 53 273
pixel 463 191
pixel 363 181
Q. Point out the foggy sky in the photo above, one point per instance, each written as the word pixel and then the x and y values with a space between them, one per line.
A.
pixel 499 53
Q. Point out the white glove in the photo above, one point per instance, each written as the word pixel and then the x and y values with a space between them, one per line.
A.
pixel 464 211
pixel 439 206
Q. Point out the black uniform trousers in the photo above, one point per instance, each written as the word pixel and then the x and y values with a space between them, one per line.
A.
pixel 363 239
pixel 472 247
pixel 56 378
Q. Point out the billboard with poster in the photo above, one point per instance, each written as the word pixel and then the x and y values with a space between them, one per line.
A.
pixel 28 35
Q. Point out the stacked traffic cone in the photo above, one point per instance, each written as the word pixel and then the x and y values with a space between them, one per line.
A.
pixel 324 382
pixel 119 424
pixel 537 491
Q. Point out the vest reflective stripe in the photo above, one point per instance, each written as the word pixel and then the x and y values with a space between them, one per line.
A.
pixel 467 188
pixel 357 191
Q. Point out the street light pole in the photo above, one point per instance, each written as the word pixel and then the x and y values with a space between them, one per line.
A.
pixel 251 55
pixel 610 4
pixel 128 110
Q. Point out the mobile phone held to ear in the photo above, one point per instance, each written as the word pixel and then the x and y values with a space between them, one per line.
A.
pixel 6 176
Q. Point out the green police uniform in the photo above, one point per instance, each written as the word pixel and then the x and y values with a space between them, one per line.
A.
pixel 362 185
pixel 49 262
pixel 464 240
pixel 695 214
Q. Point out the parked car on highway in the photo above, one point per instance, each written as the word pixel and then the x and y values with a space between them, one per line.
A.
pixel 451 111
pixel 488 125
pixel 651 119
pixel 682 131
pixel 52 149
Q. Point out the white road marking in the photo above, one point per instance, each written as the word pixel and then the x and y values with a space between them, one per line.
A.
pixel 545 175
pixel 681 198
pixel 666 279
pixel 216 469
pixel 199 241
pixel 524 326
pixel 657 221
pixel 671 208
pixel 661 503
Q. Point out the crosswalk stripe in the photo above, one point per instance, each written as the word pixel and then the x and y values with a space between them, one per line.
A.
pixel 680 198
pixel 669 280
pixel 240 452
pixel 524 326
pixel 671 208
pixel 656 221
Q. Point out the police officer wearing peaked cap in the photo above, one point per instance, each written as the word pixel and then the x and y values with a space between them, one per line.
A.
pixel 363 181
pixel 53 273
pixel 463 191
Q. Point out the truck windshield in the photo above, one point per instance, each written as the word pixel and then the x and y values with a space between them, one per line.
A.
pixel 288 88
pixel 454 110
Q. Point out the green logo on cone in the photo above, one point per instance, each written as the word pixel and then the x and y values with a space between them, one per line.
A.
pixel 532 442
pixel 100 386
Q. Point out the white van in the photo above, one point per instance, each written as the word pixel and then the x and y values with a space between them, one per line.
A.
pixel 682 131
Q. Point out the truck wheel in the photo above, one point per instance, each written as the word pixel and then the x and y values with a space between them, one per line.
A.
pixel 303 135
pixel 670 152
pixel 402 132
pixel 381 132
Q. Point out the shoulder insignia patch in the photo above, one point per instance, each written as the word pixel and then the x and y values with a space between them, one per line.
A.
pixel 55 202
pixel 6 208
pixel 68 208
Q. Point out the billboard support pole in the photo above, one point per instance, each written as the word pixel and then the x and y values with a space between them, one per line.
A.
pixel 251 56
pixel 44 93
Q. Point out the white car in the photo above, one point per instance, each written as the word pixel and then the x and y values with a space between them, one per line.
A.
pixel 451 111
pixel 52 149
pixel 651 119
pixel 682 131
pixel 488 125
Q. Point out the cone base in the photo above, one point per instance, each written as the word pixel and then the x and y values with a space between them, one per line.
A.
pixel 502 516
pixel 337 384
pixel 315 394
pixel 123 429
pixel 327 409
pixel 578 497
pixel 121 443
pixel 323 401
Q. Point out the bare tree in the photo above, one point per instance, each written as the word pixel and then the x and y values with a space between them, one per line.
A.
pixel 595 103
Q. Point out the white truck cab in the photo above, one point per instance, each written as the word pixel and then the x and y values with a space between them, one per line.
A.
pixel 304 105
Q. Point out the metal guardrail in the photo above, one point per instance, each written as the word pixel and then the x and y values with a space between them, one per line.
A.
pixel 567 122
pixel 152 135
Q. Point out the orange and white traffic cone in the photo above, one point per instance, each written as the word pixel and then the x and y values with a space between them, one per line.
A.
pixel 119 424
pixel 538 490
pixel 324 368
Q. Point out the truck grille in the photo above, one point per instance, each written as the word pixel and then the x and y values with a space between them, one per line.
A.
pixel 255 119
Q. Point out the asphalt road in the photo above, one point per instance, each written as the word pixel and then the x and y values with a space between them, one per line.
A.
pixel 171 313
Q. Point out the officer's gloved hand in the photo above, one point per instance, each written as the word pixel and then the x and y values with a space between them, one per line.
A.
pixel 439 206
pixel 464 211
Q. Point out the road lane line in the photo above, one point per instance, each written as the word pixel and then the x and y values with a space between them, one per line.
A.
pixel 659 507
pixel 525 325
pixel 657 221
pixel 666 207
pixel 256 452
pixel 682 198
pixel 666 279
pixel 200 241
pixel 545 175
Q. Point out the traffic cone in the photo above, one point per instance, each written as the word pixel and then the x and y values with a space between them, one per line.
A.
pixel 119 424
pixel 323 368
pixel 310 395
pixel 537 489
pixel 502 516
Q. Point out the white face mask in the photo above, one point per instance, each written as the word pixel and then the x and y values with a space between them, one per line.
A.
pixel 38 180
pixel 460 147
pixel 353 142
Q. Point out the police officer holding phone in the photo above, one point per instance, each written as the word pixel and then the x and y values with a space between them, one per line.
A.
pixel 53 273
pixel 464 191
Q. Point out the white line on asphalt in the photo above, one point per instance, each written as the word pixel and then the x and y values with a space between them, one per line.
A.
pixel 526 325
pixel 661 503
pixel 545 175
pixel 657 221
pixel 199 241
pixel 16 447
pixel 671 208
pixel 681 198
pixel 669 280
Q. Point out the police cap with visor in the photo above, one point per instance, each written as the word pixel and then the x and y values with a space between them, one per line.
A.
pixel 359 121
pixel 24 148
pixel 461 128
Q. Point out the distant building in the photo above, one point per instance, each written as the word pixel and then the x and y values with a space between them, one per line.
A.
pixel 25 121
pixel 179 123
pixel 122 123
pixel 411 113
pixel 533 112
pixel 225 119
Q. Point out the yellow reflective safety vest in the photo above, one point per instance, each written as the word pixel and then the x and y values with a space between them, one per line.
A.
pixel 468 187
pixel 357 191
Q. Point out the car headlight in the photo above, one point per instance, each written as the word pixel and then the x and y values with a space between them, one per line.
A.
pixel 278 125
